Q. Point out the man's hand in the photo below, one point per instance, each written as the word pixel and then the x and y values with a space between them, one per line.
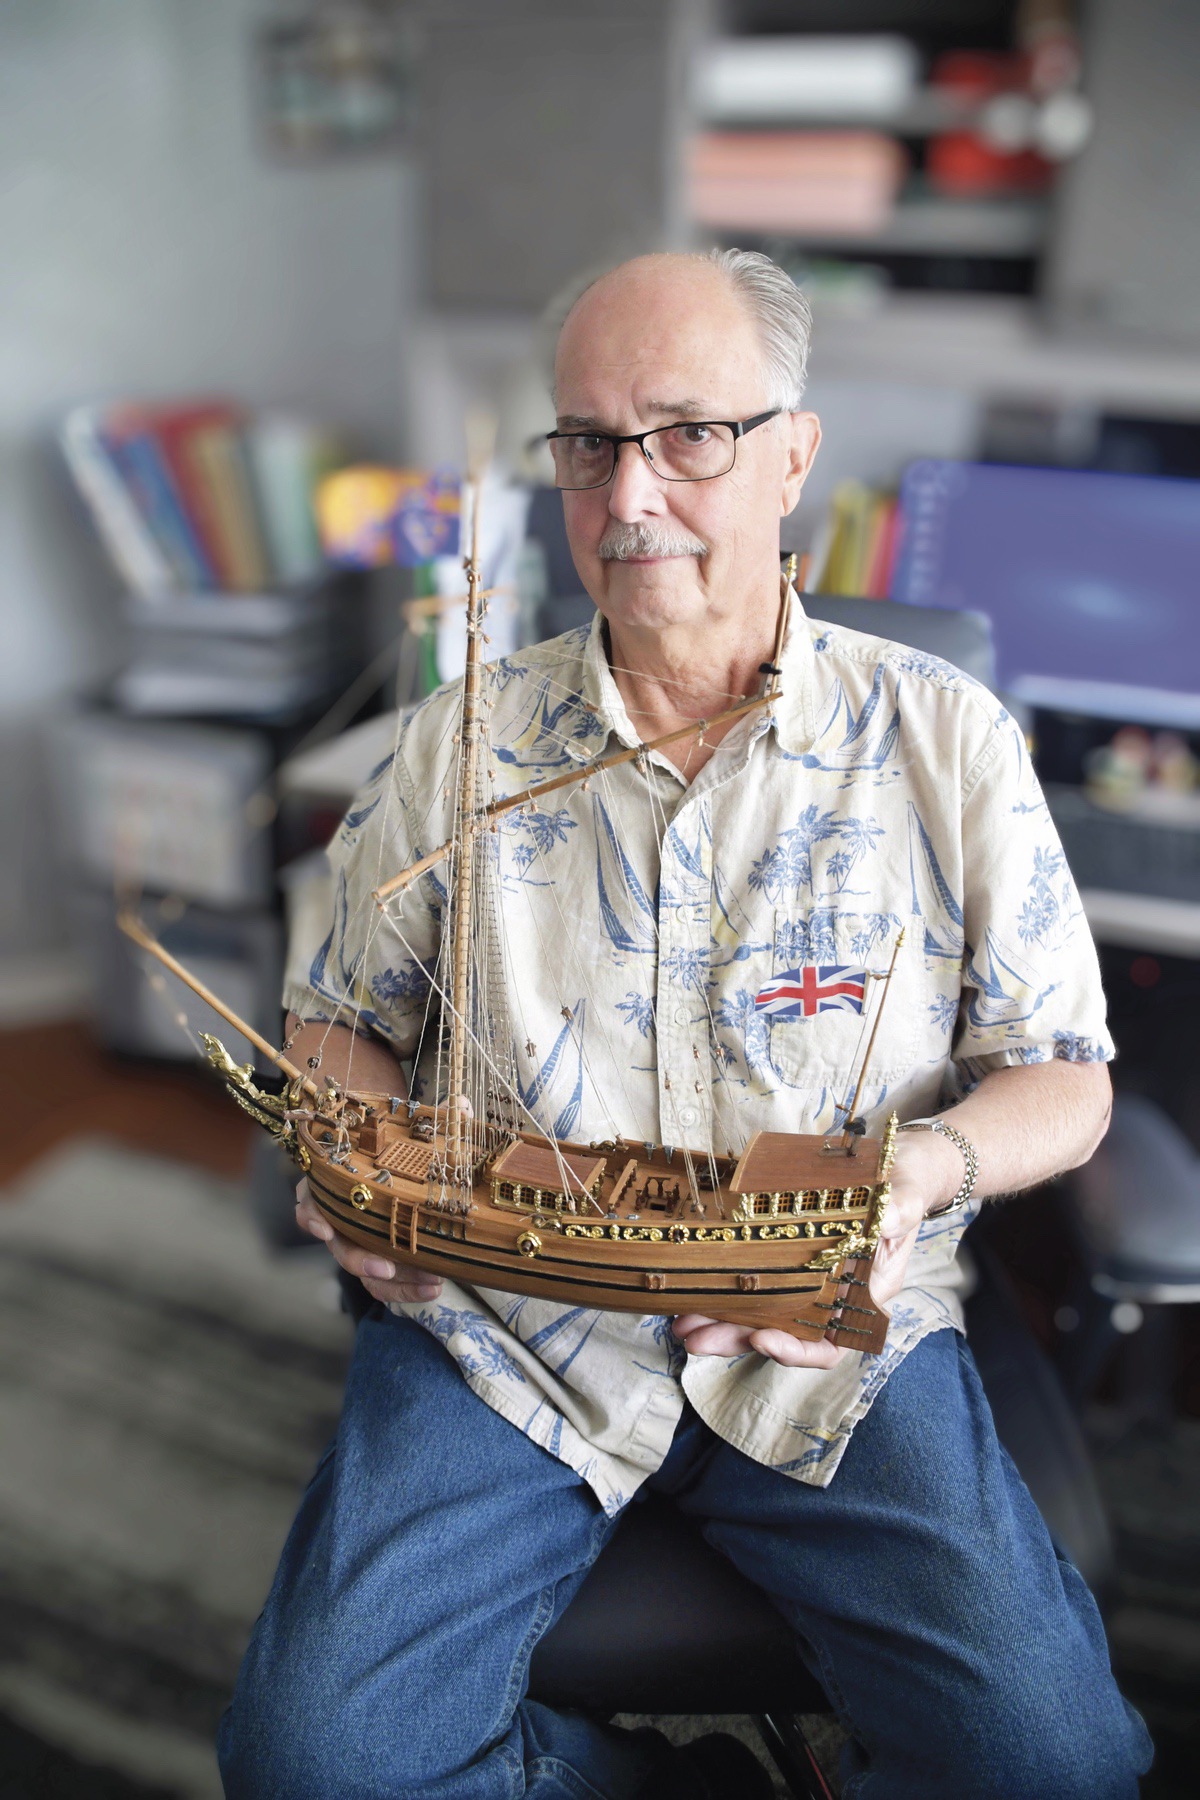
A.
pixel 927 1172
pixel 381 1278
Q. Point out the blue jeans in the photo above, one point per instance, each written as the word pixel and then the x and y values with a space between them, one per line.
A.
pixel 436 1543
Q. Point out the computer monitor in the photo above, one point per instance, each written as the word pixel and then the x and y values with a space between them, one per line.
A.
pixel 1091 581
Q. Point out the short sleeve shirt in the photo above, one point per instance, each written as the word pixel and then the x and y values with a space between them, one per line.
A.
pixel 643 916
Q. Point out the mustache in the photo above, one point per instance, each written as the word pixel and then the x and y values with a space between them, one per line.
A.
pixel 623 541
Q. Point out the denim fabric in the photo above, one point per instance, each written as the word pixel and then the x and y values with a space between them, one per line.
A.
pixel 437 1542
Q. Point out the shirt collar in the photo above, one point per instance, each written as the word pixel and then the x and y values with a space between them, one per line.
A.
pixel 792 715
pixel 600 692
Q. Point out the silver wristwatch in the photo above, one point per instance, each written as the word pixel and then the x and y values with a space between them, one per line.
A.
pixel 969 1155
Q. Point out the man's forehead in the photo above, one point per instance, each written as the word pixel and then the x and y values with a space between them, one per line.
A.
pixel 666 336
pixel 695 407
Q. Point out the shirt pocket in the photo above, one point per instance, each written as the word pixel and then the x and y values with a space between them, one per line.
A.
pixel 820 1045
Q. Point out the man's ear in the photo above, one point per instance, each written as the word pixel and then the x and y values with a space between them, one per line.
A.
pixel 803 443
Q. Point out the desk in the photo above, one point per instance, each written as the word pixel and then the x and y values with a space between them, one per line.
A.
pixel 1143 921
pixel 334 771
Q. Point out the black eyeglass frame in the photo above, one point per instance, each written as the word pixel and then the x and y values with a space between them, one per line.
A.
pixel 739 428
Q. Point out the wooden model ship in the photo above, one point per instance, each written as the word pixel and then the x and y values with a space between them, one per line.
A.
pixel 781 1235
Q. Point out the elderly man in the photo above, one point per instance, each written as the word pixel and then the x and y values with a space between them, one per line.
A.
pixel 489 1442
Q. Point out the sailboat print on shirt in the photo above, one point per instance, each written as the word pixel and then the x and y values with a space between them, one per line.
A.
pixel 933 899
pixel 868 738
pixel 631 928
pixel 561 1069
pixel 1001 987
pixel 550 720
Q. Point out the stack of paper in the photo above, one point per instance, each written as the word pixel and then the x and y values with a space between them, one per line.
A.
pixel 260 656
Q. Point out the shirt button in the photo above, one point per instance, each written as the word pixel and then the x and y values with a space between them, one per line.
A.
pixel 687 1115
pixel 681 1017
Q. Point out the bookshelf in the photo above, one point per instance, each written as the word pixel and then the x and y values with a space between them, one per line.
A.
pixel 182 808
pixel 236 638
pixel 945 145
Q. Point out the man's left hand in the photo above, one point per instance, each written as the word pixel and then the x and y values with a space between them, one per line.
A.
pixel 927 1172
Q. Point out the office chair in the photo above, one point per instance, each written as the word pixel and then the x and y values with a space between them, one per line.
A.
pixel 1134 1211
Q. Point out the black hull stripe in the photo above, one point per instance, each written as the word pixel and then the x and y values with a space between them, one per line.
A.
pixel 531 1264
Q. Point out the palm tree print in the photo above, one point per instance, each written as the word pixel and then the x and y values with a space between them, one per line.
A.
pixel 739 1014
pixel 545 831
pixel 944 1011
pixel 1042 912
pixel 686 966
pixel 638 1010
pixel 411 981
pixel 876 928
pixel 787 869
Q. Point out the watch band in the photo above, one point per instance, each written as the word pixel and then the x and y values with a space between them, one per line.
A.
pixel 969 1155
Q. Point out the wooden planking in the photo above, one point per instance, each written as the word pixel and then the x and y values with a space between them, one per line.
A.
pixel 781 1162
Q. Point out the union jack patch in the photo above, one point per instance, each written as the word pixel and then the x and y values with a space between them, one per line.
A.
pixel 814 988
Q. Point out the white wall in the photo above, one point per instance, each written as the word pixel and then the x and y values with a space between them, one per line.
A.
pixel 150 248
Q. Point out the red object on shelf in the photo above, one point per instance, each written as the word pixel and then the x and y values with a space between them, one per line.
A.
pixel 960 163
pixel 964 162
pixel 978 74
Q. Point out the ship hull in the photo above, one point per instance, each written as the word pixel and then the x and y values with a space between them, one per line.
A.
pixel 789 1273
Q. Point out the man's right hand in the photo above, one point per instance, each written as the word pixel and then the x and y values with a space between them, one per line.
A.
pixel 382 1279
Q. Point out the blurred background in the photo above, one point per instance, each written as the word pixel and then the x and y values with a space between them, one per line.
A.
pixel 250 246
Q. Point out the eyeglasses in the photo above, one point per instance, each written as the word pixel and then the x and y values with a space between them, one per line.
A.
pixel 698 450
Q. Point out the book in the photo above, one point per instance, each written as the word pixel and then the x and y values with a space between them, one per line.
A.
pixel 175 428
pixel 128 436
pixel 288 456
pixel 854 549
pixel 218 456
pixel 882 555
pixel 136 553
pixel 771 79
pixel 200 496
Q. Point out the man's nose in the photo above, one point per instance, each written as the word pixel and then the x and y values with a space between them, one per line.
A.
pixel 635 489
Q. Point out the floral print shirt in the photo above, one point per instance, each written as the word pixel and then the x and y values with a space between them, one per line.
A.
pixel 642 917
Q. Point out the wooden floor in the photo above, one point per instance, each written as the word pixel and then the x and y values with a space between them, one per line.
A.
pixel 58 1084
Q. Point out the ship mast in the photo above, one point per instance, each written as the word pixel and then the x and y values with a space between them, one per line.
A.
pixel 852 1125
pixel 458 1118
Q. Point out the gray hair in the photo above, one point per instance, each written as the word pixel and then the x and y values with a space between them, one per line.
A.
pixel 778 307
pixel 783 316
